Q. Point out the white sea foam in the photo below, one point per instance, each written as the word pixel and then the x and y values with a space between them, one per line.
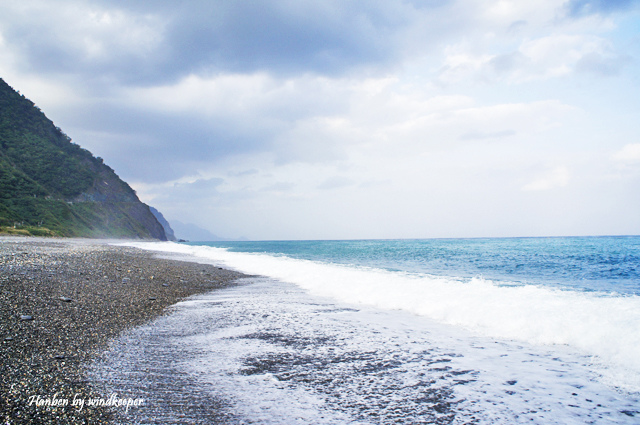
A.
pixel 602 326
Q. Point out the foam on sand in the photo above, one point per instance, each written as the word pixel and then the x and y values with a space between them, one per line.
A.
pixel 606 327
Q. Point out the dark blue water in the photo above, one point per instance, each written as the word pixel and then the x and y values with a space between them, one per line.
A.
pixel 603 264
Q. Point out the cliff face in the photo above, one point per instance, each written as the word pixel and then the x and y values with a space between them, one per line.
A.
pixel 171 236
pixel 49 185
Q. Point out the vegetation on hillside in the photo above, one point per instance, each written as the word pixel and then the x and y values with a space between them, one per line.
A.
pixel 51 186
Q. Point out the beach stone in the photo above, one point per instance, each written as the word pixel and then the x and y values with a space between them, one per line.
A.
pixel 35 359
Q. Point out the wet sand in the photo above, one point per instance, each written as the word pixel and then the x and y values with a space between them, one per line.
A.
pixel 61 302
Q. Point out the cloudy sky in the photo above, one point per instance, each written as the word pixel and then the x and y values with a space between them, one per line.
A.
pixel 339 119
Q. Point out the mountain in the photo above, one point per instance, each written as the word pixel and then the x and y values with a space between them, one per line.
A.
pixel 51 186
pixel 191 232
pixel 165 224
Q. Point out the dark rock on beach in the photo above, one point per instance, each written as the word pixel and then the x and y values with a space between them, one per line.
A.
pixel 61 302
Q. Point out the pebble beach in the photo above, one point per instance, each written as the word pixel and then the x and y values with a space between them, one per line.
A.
pixel 61 302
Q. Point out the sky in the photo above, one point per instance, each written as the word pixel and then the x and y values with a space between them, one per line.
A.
pixel 340 119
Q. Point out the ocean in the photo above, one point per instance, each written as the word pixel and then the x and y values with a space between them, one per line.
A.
pixel 451 331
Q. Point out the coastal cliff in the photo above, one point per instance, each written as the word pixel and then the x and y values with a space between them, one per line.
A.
pixel 51 186
pixel 165 224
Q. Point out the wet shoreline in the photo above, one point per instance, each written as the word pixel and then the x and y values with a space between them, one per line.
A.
pixel 62 301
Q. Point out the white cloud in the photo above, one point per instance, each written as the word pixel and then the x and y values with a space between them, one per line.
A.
pixel 502 13
pixel 558 177
pixel 629 154
pixel 335 182
pixel 6 57
pixel 541 58
pixel 94 32
pixel 434 122
pixel 374 129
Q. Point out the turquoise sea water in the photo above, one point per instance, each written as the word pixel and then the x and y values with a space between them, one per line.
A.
pixel 606 264
pixel 451 331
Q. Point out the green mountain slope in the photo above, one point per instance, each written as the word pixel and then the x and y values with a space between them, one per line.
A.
pixel 49 185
